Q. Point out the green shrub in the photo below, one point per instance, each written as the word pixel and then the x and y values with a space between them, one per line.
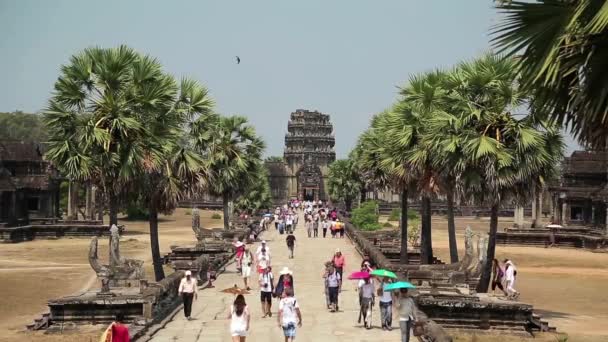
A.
pixel 387 225
pixel 216 216
pixel 366 216
pixel 136 211
pixel 188 212
pixel 396 214
pixel 413 234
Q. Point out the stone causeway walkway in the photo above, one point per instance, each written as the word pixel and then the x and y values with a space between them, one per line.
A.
pixel 209 312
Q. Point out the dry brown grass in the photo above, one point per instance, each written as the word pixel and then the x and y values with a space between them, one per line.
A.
pixel 35 271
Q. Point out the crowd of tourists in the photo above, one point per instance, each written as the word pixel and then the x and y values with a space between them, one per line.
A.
pixel 317 216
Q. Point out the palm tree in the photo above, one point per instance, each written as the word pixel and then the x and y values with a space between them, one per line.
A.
pixel 376 171
pixel 256 195
pixel 507 158
pixel 181 171
pixel 429 93
pixel 93 117
pixel 233 150
pixel 562 48
pixel 343 182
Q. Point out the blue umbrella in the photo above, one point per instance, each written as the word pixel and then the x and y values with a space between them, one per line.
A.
pixel 399 285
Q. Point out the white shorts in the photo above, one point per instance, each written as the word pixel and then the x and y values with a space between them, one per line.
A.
pixel 238 332
pixel 246 271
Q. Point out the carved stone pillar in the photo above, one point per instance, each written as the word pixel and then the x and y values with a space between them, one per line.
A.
pixel 87 201
pixel 564 212
pixel 70 200
pixel 534 198
pixel 606 223
pixel 518 216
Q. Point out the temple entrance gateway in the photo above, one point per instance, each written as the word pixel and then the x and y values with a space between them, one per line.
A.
pixel 309 150
pixel 310 194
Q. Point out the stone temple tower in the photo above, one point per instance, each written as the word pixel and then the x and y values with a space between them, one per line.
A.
pixel 309 149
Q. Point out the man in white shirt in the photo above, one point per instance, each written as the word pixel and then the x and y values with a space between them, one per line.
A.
pixel 263 260
pixel 510 274
pixel 188 291
pixel 263 245
pixel 266 281
pixel 289 223
pixel 289 315
pixel 367 299
pixel 386 306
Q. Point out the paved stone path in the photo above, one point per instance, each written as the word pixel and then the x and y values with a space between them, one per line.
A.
pixel 209 312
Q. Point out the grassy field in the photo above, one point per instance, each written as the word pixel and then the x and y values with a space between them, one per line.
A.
pixel 566 286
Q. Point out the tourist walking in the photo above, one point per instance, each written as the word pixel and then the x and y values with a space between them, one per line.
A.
pixel 265 246
pixel 340 227
pixel 510 275
pixel 284 282
pixel 263 260
pixel 498 277
pixel 386 305
pixel 289 223
pixel 407 314
pixel 366 301
pixel 117 331
pixel 325 226
pixel 333 281
pixel 266 281
pixel 315 224
pixel 246 267
pixel 289 315
pixel 188 291
pixel 240 248
pixel 291 244
pixel 309 226
pixel 239 319
pixel 339 261
pixel 326 271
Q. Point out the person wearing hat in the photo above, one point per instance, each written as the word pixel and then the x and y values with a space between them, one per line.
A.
pixel 264 246
pixel 339 261
pixel 285 281
pixel 510 274
pixel 188 291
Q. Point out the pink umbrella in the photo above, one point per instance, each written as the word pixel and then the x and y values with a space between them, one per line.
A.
pixel 358 275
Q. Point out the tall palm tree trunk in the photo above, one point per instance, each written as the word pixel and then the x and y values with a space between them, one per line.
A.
pixel 403 258
pixel 426 241
pixel 348 204
pixel 452 227
pixel 226 208
pixel 113 199
pixel 159 273
pixel 363 194
pixel 486 271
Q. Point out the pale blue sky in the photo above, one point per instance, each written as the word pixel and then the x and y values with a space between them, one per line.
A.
pixel 342 57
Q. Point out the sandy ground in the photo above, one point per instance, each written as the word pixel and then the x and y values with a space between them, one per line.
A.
pixel 35 271
pixel 566 286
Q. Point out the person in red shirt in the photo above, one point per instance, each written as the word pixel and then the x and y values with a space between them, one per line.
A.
pixel 339 262
pixel 119 332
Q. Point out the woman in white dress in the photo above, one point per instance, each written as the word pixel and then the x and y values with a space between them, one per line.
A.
pixel 239 319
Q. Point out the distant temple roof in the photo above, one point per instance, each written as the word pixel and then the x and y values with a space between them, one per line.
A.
pixel 17 152
pixel 11 150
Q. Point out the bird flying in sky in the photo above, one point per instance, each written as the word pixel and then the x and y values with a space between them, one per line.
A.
pixel 238 60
